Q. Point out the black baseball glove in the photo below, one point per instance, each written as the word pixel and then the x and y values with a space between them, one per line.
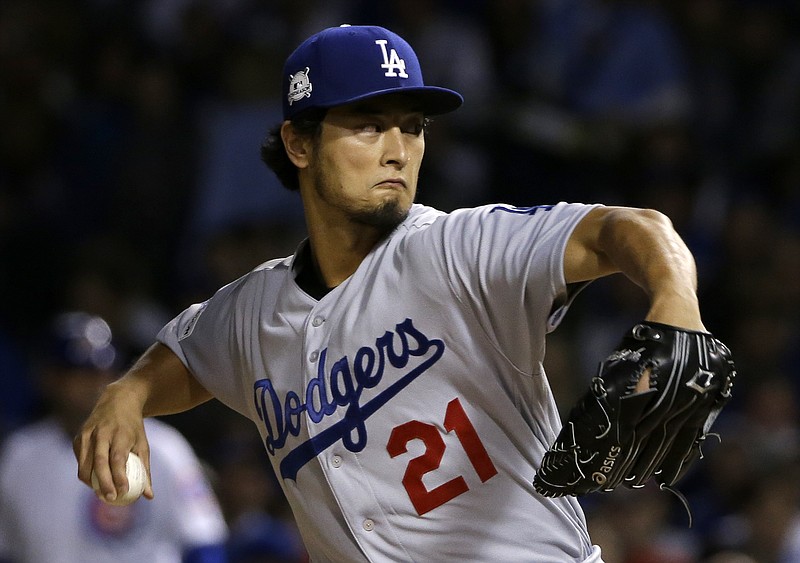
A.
pixel 616 434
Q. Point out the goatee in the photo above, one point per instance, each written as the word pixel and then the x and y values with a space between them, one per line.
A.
pixel 385 217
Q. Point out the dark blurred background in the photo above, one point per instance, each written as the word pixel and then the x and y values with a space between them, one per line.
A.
pixel 131 186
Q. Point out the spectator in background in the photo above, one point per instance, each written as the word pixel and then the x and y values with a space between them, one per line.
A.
pixel 48 516
pixel 17 396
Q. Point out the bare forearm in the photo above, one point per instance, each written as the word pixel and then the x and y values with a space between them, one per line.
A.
pixel 160 384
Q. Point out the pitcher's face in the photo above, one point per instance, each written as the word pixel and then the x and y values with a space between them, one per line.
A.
pixel 366 162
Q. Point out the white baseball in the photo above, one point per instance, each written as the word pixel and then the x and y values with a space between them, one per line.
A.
pixel 137 479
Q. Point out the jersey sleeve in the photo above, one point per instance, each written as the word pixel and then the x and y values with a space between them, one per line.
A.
pixel 204 337
pixel 506 265
pixel 219 340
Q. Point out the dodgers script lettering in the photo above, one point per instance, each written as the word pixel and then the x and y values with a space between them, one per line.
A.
pixel 340 386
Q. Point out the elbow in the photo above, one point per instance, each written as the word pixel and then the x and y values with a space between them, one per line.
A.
pixel 623 222
pixel 656 218
pixel 617 239
pixel 642 216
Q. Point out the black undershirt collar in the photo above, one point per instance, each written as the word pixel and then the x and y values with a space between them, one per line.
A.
pixel 308 277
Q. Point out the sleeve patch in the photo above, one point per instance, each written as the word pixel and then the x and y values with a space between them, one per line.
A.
pixel 188 328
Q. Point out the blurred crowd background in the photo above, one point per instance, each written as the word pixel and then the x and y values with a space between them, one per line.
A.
pixel 131 186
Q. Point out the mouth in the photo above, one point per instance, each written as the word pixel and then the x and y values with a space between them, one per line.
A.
pixel 392 183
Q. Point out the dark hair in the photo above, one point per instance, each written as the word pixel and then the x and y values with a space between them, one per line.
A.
pixel 273 153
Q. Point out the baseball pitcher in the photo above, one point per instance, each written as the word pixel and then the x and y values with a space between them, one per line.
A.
pixel 393 365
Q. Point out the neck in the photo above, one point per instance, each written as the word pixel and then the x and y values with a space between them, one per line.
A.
pixel 341 238
pixel 337 251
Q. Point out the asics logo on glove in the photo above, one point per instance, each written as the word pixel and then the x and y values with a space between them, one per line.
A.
pixel 600 477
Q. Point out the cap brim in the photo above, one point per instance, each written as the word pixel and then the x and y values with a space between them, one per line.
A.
pixel 432 100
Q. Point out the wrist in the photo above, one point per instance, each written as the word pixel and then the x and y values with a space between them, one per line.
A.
pixel 678 309
pixel 128 392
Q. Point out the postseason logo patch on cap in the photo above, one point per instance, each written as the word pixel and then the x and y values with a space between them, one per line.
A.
pixel 299 86
pixel 341 65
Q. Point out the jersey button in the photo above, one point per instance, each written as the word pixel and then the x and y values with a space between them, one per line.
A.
pixel 317 321
pixel 369 525
pixel 336 461
pixel 313 356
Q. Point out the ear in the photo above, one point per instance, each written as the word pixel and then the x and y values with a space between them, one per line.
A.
pixel 297 146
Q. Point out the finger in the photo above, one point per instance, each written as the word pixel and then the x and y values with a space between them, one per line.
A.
pixel 102 475
pixel 644 382
pixel 143 451
pixel 81 447
pixel 148 490
pixel 118 461
pixel 109 460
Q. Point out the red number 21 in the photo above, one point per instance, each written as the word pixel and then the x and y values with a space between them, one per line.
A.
pixel 455 419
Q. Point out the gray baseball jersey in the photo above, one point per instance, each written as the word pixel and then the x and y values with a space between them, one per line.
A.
pixel 407 410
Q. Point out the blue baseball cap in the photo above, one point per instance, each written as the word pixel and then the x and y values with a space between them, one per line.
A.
pixel 345 64
pixel 82 341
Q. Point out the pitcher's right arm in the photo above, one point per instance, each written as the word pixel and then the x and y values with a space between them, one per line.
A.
pixel 157 384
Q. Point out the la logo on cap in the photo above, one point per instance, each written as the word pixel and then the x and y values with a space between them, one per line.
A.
pixel 392 61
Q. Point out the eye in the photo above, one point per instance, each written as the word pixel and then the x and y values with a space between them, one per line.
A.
pixel 370 127
pixel 415 127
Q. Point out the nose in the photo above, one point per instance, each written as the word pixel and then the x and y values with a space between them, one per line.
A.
pixel 395 149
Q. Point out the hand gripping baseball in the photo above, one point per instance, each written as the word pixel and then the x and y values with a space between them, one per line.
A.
pixel 113 430
pixel 616 434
